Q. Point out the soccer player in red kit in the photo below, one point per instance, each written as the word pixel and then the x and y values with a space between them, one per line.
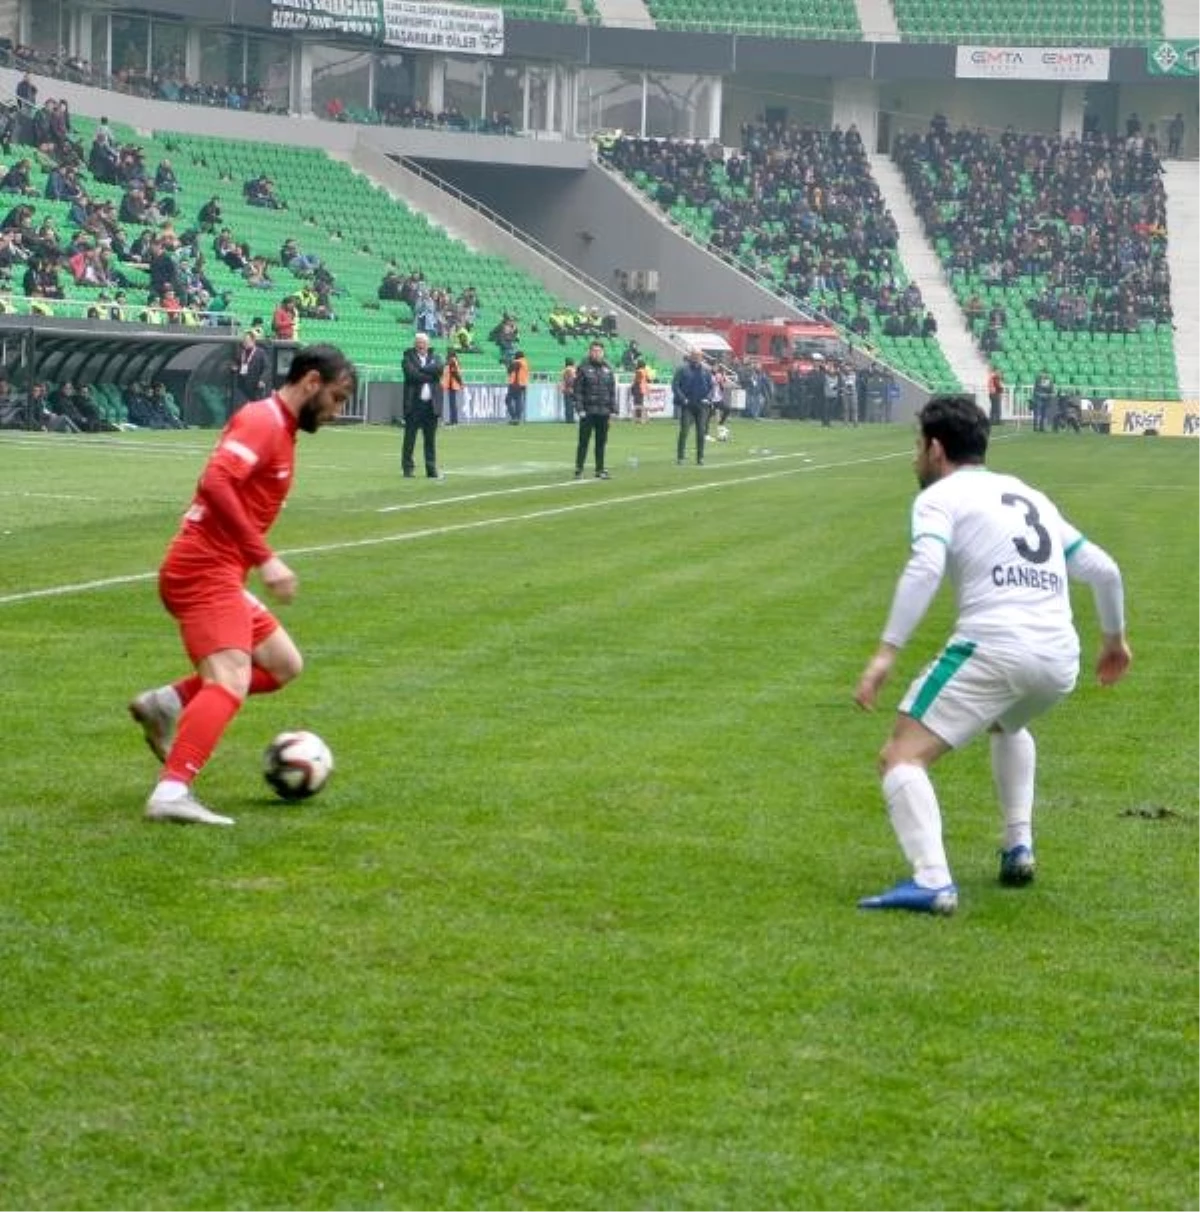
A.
pixel 235 644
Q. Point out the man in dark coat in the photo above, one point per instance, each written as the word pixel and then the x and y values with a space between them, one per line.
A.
pixel 595 400
pixel 422 404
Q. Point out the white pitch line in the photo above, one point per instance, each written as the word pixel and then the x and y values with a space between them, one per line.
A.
pixel 114 446
pixel 90 442
pixel 468 498
pixel 57 591
pixel 45 496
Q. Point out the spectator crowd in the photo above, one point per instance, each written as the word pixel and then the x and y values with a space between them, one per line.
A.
pixel 1076 226
pixel 799 204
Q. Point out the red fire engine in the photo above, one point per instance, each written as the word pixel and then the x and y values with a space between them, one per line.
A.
pixel 778 345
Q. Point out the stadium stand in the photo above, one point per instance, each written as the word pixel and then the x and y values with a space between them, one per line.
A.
pixel 540 10
pixel 834 19
pixel 1016 22
pixel 222 246
pixel 799 206
pixel 1056 250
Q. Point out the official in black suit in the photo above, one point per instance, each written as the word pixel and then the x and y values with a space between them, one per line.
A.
pixel 422 404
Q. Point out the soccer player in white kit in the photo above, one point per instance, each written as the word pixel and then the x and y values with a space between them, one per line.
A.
pixel 1013 655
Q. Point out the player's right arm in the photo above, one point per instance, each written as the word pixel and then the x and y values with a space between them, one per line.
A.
pixel 1095 567
pixel 932 527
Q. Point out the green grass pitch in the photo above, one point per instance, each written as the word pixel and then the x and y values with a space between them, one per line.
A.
pixel 574 923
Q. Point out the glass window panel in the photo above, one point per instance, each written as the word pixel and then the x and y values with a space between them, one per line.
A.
pixel 168 49
pixel 269 73
pixel 395 85
pixel 463 95
pixel 677 104
pixel 608 100
pixel 505 96
pixel 220 58
pixel 130 48
pixel 340 79
pixel 99 58
pixel 539 84
pixel 46 25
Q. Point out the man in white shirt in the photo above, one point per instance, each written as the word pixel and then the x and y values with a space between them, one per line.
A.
pixel 1013 655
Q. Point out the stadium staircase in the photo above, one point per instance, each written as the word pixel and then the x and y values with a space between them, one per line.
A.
pixel 1183 216
pixel 1179 18
pixel 878 19
pixel 922 262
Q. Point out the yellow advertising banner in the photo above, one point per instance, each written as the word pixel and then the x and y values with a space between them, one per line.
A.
pixel 1167 418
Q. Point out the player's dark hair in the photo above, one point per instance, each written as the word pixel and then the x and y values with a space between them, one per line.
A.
pixel 959 424
pixel 327 360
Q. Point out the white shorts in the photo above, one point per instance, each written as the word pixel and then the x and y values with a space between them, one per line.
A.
pixel 971 686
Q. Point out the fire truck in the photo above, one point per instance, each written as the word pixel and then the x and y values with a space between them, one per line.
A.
pixel 778 345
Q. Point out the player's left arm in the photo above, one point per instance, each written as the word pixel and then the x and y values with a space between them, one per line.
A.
pixel 243 447
pixel 1093 565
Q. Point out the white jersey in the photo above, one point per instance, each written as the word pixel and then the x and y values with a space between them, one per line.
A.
pixel 1006 552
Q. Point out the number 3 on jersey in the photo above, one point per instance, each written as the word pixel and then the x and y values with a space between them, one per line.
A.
pixel 1033 523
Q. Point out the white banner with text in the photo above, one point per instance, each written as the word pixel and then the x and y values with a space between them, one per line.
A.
pixel 1067 64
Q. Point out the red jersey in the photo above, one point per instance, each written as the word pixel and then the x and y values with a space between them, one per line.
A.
pixel 241 489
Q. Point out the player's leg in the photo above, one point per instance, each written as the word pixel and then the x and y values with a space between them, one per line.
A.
pixel 1014 759
pixel 225 679
pixel 275 661
pixel 701 431
pixel 218 629
pixel 916 818
pixel 952 700
pixel 1014 766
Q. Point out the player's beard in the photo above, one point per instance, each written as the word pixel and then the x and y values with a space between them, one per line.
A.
pixel 308 417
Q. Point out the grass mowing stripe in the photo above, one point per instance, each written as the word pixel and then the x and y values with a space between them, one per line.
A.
pixel 55 591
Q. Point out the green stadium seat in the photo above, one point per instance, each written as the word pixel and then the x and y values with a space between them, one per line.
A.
pixel 1013 21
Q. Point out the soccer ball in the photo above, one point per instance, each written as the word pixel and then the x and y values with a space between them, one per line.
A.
pixel 722 433
pixel 297 765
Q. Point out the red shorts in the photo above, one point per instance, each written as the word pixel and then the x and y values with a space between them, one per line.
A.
pixel 214 610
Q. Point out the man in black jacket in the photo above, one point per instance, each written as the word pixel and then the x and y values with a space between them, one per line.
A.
pixel 691 390
pixel 422 404
pixel 595 393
